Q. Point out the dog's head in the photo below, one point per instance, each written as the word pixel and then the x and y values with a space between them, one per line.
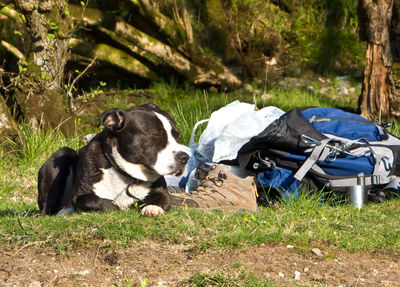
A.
pixel 143 142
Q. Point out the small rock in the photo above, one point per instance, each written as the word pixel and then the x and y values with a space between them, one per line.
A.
pixel 119 271
pixel 289 246
pixel 343 91
pixel 306 269
pixel 343 80
pixel 35 284
pixel 248 88
pixel 213 90
pixel 316 251
pixel 297 275
pixel 324 90
pixel 280 274
pixel 310 89
pixel 85 272
pixel 266 97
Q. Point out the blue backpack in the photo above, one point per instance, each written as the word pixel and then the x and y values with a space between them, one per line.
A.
pixel 325 148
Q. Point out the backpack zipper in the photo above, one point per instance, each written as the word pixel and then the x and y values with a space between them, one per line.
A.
pixel 318 120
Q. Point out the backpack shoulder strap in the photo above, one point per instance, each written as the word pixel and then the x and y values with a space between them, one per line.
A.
pixel 319 153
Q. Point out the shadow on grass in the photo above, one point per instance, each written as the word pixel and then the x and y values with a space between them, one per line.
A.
pixel 30 212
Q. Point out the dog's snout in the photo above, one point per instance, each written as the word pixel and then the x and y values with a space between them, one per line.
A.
pixel 182 157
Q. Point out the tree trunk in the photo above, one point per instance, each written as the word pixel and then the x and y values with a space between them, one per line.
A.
pixel 377 91
pixel 39 91
pixel 395 49
pixel 377 88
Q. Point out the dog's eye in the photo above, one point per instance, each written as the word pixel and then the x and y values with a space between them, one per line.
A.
pixel 156 132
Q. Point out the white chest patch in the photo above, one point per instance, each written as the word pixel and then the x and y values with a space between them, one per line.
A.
pixel 113 187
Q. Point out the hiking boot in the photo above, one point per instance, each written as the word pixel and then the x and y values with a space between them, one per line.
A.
pixel 220 189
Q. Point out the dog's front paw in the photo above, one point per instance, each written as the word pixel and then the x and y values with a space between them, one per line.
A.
pixel 152 210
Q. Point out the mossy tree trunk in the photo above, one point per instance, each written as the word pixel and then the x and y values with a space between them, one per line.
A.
pixel 377 90
pixel 39 88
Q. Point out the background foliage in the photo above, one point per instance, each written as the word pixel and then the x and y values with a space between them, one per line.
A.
pixel 303 36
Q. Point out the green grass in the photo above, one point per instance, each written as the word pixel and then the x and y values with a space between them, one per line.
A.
pixel 305 222
pixel 226 279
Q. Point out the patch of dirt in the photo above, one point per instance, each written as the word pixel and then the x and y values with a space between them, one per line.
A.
pixel 170 265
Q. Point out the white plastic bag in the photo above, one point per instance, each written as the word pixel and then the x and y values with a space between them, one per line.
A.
pixel 230 127
pixel 216 124
pixel 238 132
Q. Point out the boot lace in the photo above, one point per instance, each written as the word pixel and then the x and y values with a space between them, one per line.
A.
pixel 214 180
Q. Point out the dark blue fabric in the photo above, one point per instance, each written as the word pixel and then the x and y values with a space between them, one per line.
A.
pixel 347 166
pixel 343 124
pixel 280 178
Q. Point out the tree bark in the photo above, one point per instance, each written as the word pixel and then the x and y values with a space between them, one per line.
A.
pixel 377 91
pixel 39 92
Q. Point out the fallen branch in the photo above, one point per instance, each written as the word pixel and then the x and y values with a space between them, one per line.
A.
pixel 112 55
pixel 165 25
pixel 13 14
pixel 154 50
pixel 12 49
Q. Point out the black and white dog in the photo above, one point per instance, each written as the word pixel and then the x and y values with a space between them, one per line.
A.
pixel 121 166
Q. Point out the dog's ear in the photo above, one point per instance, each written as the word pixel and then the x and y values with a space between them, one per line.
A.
pixel 114 120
